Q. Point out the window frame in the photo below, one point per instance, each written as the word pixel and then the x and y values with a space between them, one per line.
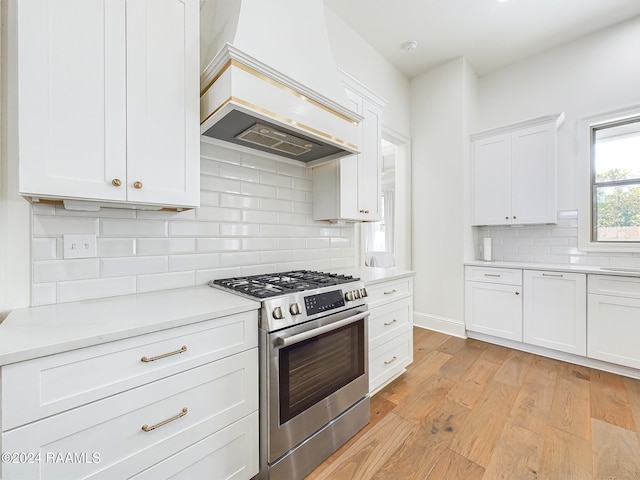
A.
pixel 586 170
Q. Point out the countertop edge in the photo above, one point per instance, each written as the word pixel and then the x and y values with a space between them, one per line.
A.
pixel 588 269
pixel 23 334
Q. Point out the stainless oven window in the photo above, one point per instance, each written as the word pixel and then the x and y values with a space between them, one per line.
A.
pixel 313 369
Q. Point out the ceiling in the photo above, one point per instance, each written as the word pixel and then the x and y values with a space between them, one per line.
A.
pixel 489 33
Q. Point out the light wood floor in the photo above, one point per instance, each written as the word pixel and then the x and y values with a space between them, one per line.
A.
pixel 469 410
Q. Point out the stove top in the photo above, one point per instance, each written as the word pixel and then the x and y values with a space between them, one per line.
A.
pixel 277 284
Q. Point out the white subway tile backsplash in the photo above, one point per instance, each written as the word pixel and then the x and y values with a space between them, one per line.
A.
pixel 96 288
pixel 165 281
pixel 240 173
pixel 239 201
pixel 165 246
pixel 116 267
pixel 218 214
pixel 219 184
pixel 193 262
pixel 239 259
pixel 239 230
pixel 218 244
pixel 259 243
pixel 132 228
pixel 547 244
pixel 116 247
pixel 44 249
pixel 260 163
pixel 59 270
pixel 258 190
pixel 55 226
pixel 275 180
pixel 275 256
pixel 255 217
pixel 291 170
pixel 194 229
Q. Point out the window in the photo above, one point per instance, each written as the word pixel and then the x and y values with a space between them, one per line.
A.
pixel 615 181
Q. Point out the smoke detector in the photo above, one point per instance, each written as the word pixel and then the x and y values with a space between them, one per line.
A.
pixel 410 46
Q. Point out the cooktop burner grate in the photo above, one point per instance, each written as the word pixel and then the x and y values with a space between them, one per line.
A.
pixel 271 285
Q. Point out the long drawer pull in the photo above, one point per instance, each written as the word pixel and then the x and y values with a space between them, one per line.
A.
pixel 148 428
pixel 552 275
pixel 164 355
pixel 390 323
pixel 391 291
pixel 492 275
pixel 391 361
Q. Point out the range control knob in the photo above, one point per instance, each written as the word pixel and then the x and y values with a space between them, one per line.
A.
pixel 294 308
pixel 363 292
pixel 356 293
pixel 349 296
pixel 277 313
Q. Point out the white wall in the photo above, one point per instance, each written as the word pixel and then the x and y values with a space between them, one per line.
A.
pixel 441 102
pixel 597 73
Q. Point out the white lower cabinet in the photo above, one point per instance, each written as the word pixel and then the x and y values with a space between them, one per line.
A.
pixel 188 417
pixel 493 301
pixel 390 331
pixel 614 320
pixel 555 310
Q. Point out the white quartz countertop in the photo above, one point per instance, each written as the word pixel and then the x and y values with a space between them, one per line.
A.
pixel 619 271
pixel 373 275
pixel 38 331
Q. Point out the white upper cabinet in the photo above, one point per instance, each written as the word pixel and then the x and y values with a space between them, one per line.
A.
pixel 349 188
pixel 514 174
pixel 108 100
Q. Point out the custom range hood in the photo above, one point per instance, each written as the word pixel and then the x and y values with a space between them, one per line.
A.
pixel 273 85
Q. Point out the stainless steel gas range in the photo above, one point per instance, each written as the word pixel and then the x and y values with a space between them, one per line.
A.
pixel 313 366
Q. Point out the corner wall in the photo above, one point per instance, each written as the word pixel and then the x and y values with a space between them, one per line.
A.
pixel 442 108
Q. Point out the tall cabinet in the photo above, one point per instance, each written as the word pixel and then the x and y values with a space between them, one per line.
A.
pixel 514 173
pixel 108 100
pixel 349 188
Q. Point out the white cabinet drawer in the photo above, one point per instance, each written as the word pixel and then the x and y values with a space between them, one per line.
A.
pixel 215 395
pixel 381 293
pixel 505 276
pixel 389 320
pixel 230 454
pixel 45 386
pixel 616 286
pixel 390 359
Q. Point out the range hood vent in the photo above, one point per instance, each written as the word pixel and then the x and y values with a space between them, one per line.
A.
pixel 261 92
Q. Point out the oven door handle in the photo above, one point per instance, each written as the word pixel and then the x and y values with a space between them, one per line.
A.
pixel 300 337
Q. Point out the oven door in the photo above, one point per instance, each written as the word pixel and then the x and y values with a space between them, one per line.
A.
pixel 316 371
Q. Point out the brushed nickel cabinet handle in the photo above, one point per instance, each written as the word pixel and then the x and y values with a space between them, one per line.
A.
pixel 390 323
pixel 552 275
pixel 137 185
pixel 116 182
pixel 390 292
pixel 391 361
pixel 492 275
pixel 164 355
pixel 148 428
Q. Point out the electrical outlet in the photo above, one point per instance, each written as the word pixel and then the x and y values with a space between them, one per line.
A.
pixel 79 246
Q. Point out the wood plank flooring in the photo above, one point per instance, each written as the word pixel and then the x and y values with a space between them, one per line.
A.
pixel 470 410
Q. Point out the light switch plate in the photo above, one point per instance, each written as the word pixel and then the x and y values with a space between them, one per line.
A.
pixel 79 246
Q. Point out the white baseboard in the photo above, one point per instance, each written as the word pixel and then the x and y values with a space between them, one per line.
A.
pixel 565 357
pixel 439 324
